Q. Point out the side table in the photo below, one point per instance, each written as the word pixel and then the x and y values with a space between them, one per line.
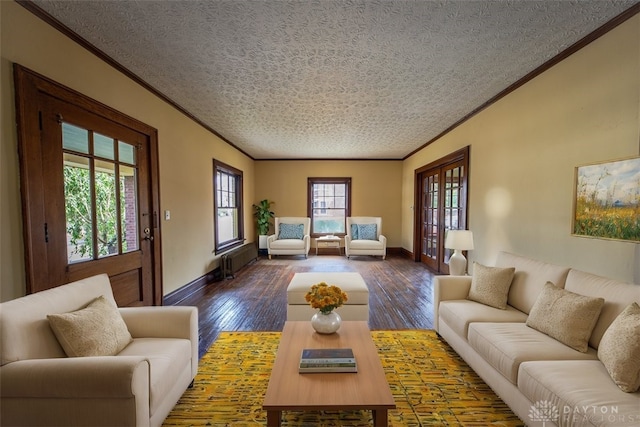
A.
pixel 328 242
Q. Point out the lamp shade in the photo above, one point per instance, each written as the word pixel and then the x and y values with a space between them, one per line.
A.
pixel 459 239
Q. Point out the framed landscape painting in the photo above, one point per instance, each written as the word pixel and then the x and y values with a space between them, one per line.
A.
pixel 607 200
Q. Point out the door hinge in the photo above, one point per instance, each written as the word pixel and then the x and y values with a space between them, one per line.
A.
pixel 46 232
pixel 40 120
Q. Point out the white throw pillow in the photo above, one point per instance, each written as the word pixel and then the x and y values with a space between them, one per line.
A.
pixel 95 330
pixel 619 349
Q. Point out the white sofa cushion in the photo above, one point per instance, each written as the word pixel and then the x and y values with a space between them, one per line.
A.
pixel 565 316
pixel 506 345
pixel 619 349
pixel 169 364
pixel 529 278
pixel 490 285
pixel 458 314
pixel 288 244
pixel 618 295
pixel 366 245
pixel 581 391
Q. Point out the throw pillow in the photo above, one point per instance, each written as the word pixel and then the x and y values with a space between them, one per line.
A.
pixel 619 349
pixel 291 231
pixel 367 232
pixel 96 330
pixel 354 231
pixel 565 316
pixel 490 285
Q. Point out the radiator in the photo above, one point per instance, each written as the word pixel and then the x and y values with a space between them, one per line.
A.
pixel 233 261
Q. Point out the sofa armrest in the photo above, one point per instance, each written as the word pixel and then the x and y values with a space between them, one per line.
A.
pixel 165 322
pixel 161 322
pixel 76 391
pixel 447 288
pixel 77 377
pixel 382 239
pixel 307 244
pixel 271 238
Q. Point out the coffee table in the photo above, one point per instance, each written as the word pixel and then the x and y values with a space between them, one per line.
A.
pixel 289 390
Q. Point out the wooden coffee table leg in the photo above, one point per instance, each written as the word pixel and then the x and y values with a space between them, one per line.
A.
pixel 273 418
pixel 380 418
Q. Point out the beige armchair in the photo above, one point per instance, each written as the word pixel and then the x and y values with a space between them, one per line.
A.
pixel 364 237
pixel 291 236
pixel 136 386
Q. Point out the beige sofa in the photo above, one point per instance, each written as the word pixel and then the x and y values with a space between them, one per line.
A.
pixel 544 381
pixel 41 386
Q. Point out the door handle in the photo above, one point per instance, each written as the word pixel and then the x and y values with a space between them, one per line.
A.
pixel 147 235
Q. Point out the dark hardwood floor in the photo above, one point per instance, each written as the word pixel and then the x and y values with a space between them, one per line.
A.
pixel 400 294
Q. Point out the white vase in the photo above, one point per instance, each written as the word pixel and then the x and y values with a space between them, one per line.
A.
pixel 326 323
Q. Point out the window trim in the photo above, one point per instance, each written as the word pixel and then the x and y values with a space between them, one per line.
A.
pixel 238 174
pixel 330 180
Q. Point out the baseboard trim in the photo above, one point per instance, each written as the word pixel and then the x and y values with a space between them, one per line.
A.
pixel 180 294
pixel 405 253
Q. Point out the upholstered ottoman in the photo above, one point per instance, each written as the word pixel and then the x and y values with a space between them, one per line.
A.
pixel 356 307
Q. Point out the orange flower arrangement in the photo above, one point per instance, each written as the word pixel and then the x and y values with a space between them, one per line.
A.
pixel 325 297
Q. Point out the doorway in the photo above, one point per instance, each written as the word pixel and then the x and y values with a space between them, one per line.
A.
pixel 441 201
pixel 89 192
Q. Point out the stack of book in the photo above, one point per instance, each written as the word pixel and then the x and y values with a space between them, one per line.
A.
pixel 327 360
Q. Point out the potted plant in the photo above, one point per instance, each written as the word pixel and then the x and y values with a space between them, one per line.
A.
pixel 262 212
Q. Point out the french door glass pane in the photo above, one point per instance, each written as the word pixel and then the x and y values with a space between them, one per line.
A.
pixel 78 208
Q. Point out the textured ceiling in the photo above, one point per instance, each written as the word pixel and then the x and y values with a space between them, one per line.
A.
pixel 320 79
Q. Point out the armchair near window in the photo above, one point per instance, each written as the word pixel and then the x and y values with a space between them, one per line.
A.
pixel 364 237
pixel 291 236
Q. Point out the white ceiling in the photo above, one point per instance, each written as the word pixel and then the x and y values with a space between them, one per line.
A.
pixel 320 79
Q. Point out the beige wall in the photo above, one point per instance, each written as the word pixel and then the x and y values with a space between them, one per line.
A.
pixel 375 188
pixel 524 150
pixel 186 151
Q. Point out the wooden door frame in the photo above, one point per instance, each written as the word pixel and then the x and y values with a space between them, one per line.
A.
pixel 28 84
pixel 462 154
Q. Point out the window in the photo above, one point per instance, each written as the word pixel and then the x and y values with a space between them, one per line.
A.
pixel 100 194
pixel 329 205
pixel 227 206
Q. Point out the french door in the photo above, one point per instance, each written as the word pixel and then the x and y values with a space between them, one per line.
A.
pixel 441 195
pixel 89 197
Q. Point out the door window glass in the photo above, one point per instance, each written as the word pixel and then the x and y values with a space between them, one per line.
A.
pixel 101 205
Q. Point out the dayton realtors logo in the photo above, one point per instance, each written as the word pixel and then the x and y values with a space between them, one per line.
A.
pixel 544 411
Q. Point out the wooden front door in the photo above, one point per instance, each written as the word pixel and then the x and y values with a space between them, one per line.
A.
pixel 441 194
pixel 90 193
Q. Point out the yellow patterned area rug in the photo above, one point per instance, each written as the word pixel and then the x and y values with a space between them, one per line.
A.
pixel 430 383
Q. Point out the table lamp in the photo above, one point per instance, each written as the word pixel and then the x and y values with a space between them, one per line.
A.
pixel 458 240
